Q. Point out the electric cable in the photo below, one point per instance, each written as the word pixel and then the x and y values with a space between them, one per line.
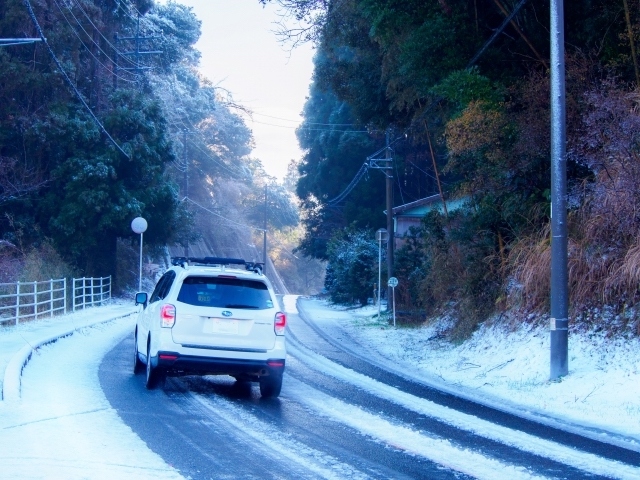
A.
pixel 77 3
pixel 68 80
pixel 430 175
pixel 308 123
pixel 311 129
pixel 224 218
pixel 356 179
pixel 85 45
pixel 192 128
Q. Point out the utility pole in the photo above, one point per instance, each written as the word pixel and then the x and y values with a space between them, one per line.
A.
pixel 136 53
pixel 264 243
pixel 559 322
pixel 392 233
pixel 386 165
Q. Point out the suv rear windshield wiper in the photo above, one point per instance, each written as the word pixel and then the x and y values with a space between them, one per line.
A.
pixel 240 305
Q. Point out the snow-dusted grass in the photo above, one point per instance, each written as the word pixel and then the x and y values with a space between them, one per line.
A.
pixel 511 366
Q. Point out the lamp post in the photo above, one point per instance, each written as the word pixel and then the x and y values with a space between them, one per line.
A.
pixel 139 225
pixel 382 236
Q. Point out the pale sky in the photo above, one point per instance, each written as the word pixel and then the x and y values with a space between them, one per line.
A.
pixel 241 53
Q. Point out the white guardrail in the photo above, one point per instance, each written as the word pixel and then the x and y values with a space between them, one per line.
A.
pixel 88 292
pixel 22 301
pixel 32 300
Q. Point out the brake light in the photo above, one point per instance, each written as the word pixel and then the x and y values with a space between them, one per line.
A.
pixel 168 315
pixel 167 356
pixel 280 323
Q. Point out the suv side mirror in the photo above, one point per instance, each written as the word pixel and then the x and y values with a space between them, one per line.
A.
pixel 141 298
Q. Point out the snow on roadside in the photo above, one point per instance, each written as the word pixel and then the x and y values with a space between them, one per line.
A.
pixel 72 432
pixel 602 389
pixel 523 441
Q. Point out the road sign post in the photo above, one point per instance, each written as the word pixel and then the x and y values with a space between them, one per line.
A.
pixel 382 236
pixel 393 283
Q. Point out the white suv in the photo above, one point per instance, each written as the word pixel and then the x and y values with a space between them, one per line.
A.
pixel 205 318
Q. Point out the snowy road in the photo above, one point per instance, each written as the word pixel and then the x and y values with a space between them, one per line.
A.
pixel 340 416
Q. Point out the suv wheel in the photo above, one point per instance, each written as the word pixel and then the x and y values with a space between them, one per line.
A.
pixel 138 366
pixel 270 386
pixel 153 375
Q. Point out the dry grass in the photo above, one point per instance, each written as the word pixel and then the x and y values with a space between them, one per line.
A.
pixel 530 263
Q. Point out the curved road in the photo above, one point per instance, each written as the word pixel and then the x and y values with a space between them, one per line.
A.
pixel 342 416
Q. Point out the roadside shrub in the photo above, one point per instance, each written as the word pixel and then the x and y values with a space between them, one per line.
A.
pixel 352 267
pixel 11 262
pixel 43 262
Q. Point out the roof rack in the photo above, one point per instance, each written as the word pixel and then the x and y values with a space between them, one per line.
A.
pixel 256 267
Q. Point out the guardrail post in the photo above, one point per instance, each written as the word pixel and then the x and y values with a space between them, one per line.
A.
pixel 17 302
pixel 64 290
pixel 51 297
pixel 35 300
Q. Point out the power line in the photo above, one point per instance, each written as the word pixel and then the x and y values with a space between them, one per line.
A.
pixel 68 80
pixel 82 42
pixel 496 33
pixel 190 126
pixel 311 129
pixel 99 33
pixel 308 123
pixel 224 218
pixel 334 201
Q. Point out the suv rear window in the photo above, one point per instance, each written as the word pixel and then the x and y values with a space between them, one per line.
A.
pixel 225 293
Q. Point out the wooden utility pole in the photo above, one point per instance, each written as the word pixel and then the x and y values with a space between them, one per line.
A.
pixel 392 233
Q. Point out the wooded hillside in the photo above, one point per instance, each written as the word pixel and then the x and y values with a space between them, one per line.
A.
pixel 105 118
pixel 464 87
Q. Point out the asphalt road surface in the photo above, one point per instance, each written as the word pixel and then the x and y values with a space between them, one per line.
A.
pixel 342 415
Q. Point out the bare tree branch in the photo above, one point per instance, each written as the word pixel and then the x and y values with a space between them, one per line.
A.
pixel 17 180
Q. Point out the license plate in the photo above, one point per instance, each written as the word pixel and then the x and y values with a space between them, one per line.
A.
pixel 222 325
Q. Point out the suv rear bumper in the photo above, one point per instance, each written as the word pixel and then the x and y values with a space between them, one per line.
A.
pixel 173 363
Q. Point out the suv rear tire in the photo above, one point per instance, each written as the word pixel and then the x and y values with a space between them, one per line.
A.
pixel 138 366
pixel 270 386
pixel 153 374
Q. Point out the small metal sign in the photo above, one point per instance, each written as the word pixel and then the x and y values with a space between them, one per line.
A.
pixel 393 282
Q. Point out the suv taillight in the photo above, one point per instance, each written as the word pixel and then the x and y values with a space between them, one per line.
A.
pixel 280 323
pixel 168 315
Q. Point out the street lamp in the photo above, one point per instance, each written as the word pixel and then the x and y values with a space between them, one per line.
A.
pixel 382 236
pixel 139 225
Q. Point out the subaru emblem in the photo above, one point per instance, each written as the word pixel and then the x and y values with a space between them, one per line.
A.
pixel 226 313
